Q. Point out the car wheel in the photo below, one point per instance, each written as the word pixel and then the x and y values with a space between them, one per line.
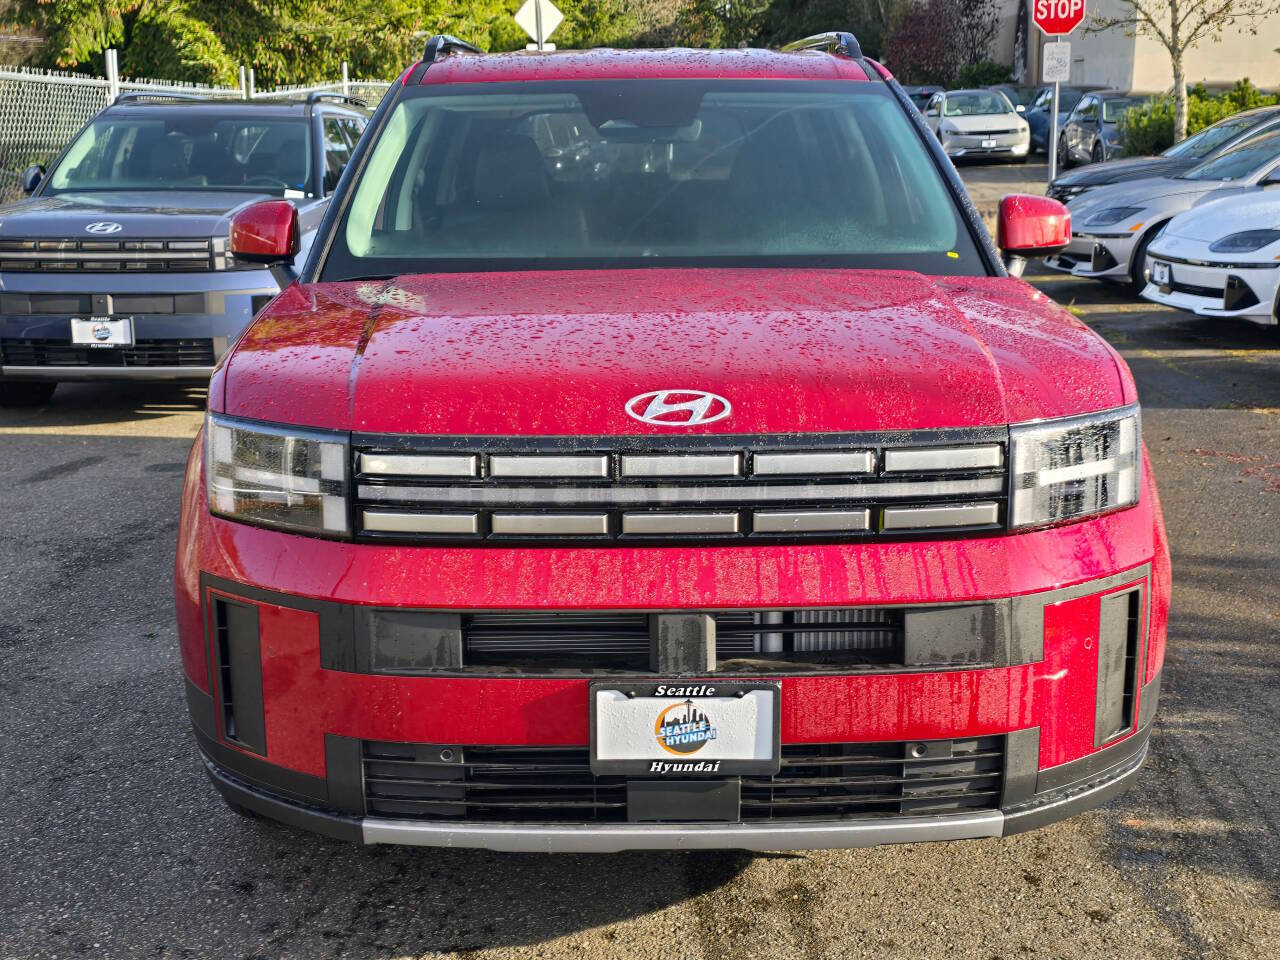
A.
pixel 1097 152
pixel 1138 262
pixel 25 393
pixel 1064 155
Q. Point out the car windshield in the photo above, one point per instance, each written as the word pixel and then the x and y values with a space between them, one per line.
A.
pixel 1209 139
pixel 1113 110
pixel 188 149
pixel 1239 162
pixel 493 176
pixel 976 104
pixel 1018 95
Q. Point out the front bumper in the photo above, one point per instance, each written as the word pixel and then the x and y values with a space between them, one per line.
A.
pixel 1098 256
pixel 320 707
pixel 1070 792
pixel 1236 290
pixel 182 322
pixel 1002 145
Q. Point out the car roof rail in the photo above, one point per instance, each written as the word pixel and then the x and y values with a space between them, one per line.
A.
pixel 317 95
pixel 146 96
pixel 840 42
pixel 442 44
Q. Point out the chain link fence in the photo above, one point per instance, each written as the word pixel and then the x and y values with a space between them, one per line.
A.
pixel 41 110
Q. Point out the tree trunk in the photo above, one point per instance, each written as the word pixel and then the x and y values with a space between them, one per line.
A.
pixel 1179 100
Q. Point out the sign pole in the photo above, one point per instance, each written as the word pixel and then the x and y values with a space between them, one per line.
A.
pixel 1053 132
pixel 537 13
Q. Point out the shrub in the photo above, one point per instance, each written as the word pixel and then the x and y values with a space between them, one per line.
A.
pixel 984 74
pixel 1149 129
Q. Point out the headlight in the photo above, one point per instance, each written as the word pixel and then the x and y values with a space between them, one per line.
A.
pixel 1074 467
pixel 1104 218
pixel 287 477
pixel 1245 242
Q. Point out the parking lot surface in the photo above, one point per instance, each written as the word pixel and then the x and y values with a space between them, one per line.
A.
pixel 113 843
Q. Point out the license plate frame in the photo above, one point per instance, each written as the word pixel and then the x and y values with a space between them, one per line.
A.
pixel 102 332
pixel 988 144
pixel 1161 273
pixel 623 743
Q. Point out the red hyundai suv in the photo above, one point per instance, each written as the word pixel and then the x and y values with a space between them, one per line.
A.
pixel 655 452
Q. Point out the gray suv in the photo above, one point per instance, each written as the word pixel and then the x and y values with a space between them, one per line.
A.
pixel 117 264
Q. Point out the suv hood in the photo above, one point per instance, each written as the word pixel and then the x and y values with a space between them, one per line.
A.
pixel 792 351
pixel 161 213
pixel 1219 217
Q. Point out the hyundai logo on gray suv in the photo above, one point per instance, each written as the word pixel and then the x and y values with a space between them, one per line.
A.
pixel 103 226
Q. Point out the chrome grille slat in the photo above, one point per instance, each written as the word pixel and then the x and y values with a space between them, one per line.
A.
pixel 634 488
pixel 92 255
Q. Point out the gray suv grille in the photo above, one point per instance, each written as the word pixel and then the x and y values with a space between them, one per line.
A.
pixel 648 489
pixel 113 256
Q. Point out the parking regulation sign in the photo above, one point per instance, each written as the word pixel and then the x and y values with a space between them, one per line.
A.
pixel 1057 17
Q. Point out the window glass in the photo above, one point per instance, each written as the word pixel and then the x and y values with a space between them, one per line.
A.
pixel 337 151
pixel 1240 162
pixel 1210 138
pixel 188 150
pixel 977 103
pixel 649 172
pixel 1113 110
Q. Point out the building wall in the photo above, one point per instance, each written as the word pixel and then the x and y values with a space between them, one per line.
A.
pixel 1141 63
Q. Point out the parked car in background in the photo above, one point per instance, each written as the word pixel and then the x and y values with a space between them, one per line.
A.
pixel 733 495
pixel 1205 145
pixel 1220 259
pixel 977 124
pixel 1092 132
pixel 1019 96
pixel 1041 109
pixel 117 264
pixel 1114 225
pixel 921 95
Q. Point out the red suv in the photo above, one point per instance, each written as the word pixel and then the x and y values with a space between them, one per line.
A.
pixel 655 452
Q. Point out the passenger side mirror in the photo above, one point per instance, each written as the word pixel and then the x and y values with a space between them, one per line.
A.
pixel 32 177
pixel 266 232
pixel 931 112
pixel 1031 226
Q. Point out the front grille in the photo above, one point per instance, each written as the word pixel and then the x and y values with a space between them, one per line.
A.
pixel 639 489
pixel 834 781
pixel 1194 290
pixel 753 640
pixel 144 353
pixel 113 256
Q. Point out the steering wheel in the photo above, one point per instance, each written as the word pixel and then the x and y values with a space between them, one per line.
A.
pixel 266 181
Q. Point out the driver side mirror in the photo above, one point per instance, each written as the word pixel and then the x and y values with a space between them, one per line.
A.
pixel 266 232
pixel 931 112
pixel 32 177
pixel 1031 226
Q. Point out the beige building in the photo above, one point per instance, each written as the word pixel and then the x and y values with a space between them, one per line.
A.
pixel 1138 62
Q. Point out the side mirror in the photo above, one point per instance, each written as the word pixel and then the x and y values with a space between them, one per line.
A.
pixel 1021 108
pixel 931 113
pixel 1031 226
pixel 32 177
pixel 266 232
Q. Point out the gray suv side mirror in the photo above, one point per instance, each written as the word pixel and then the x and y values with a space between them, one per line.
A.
pixel 32 177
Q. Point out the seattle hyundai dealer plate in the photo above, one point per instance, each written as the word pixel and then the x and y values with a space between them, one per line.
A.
pixel 712 729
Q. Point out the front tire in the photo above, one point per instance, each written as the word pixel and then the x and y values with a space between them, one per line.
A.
pixel 1138 262
pixel 1097 153
pixel 1064 156
pixel 25 393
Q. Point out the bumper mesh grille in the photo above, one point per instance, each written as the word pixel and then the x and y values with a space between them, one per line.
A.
pixel 555 784
pixel 144 353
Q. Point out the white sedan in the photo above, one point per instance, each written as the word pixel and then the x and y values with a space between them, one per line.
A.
pixel 978 123
pixel 1112 226
pixel 1221 259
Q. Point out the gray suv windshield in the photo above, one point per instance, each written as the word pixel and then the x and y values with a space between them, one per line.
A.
pixel 188 152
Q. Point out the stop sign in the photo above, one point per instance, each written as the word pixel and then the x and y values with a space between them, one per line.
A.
pixel 1056 17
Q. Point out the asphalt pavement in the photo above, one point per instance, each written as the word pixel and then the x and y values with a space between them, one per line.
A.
pixel 113 843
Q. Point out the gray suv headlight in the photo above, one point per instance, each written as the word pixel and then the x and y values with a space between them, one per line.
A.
pixel 1075 467
pixel 292 478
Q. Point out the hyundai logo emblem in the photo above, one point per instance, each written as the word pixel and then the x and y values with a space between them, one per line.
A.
pixel 101 331
pixel 101 227
pixel 678 408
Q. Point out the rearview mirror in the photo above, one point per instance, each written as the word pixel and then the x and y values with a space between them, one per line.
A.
pixel 32 177
pixel 1031 226
pixel 266 232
